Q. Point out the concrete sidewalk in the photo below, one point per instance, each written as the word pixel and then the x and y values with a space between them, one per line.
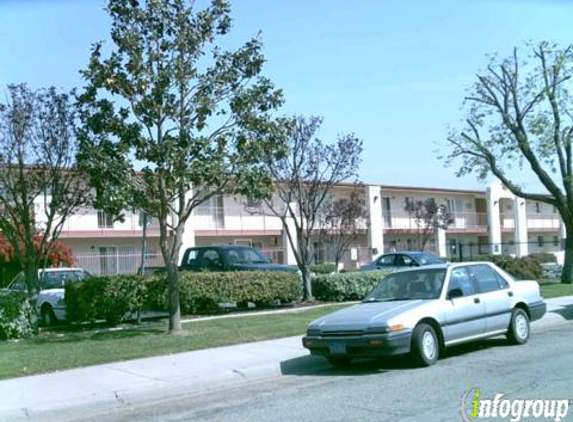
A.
pixel 105 387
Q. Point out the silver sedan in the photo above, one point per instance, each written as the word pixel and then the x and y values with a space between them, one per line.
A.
pixel 423 310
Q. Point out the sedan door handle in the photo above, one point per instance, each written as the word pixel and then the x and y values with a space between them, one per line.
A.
pixel 476 300
pixel 510 294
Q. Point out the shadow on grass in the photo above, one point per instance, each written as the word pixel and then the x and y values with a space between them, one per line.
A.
pixel 73 337
pixel 319 366
pixel 565 311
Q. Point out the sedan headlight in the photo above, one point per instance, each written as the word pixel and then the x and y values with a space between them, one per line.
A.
pixel 377 330
pixel 385 329
pixel 313 332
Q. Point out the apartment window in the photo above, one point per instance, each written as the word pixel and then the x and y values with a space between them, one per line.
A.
pixel 537 207
pixel 540 241
pixel 555 240
pixel 104 220
pixel 554 210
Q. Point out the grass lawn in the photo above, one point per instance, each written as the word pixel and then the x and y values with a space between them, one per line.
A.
pixel 53 351
pixel 553 288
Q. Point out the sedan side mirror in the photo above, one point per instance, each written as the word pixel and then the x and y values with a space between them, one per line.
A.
pixel 455 293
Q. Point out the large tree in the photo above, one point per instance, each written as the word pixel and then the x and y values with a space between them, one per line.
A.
pixel 40 186
pixel 342 221
pixel 305 178
pixel 520 117
pixel 172 119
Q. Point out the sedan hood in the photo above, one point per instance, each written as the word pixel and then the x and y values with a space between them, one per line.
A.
pixel 364 315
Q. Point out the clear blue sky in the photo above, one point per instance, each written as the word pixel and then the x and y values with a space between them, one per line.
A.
pixel 392 71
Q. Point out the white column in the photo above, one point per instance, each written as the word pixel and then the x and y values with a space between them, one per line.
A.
pixel 441 242
pixel 289 248
pixel 520 216
pixel 376 227
pixel 494 221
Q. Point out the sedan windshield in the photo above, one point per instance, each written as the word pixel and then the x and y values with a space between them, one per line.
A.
pixel 409 285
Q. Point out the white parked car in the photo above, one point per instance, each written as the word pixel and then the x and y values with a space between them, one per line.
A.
pixel 51 306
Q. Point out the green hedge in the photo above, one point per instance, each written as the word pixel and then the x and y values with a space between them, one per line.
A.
pixel 327 268
pixel 113 297
pixel 543 257
pixel 15 316
pixel 202 292
pixel 525 268
pixel 345 286
pixel 107 297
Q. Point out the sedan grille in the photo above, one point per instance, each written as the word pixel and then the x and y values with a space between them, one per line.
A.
pixel 342 333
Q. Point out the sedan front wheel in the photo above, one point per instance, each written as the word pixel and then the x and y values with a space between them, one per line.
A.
pixel 425 346
pixel 518 332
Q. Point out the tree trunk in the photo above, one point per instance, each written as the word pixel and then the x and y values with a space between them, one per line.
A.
pixel 306 285
pixel 173 293
pixel 32 285
pixel 567 274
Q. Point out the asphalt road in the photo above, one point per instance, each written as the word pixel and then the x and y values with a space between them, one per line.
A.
pixel 391 390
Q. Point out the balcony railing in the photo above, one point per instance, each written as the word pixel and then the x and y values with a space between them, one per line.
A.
pixel 535 221
pixel 543 221
pixel 88 227
pixel 461 220
pixel 235 218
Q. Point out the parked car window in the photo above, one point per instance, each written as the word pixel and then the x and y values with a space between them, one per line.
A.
pixel 245 256
pixel 409 285
pixel 211 258
pixel 427 259
pixel 19 283
pixel 386 261
pixel 51 280
pixel 487 278
pixel 461 279
pixel 404 261
pixel 192 257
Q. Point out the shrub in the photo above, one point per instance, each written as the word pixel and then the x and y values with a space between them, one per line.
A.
pixel 543 257
pixel 15 316
pixel 345 286
pixel 203 292
pixel 106 297
pixel 525 268
pixel 327 268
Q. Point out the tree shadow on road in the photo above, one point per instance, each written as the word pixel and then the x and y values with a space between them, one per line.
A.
pixel 566 311
pixel 319 366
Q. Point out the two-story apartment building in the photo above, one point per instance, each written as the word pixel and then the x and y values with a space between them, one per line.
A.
pixel 489 221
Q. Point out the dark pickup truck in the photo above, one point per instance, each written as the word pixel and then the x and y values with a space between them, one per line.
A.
pixel 229 258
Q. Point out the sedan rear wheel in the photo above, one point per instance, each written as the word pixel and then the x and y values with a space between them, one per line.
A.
pixel 425 345
pixel 518 332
